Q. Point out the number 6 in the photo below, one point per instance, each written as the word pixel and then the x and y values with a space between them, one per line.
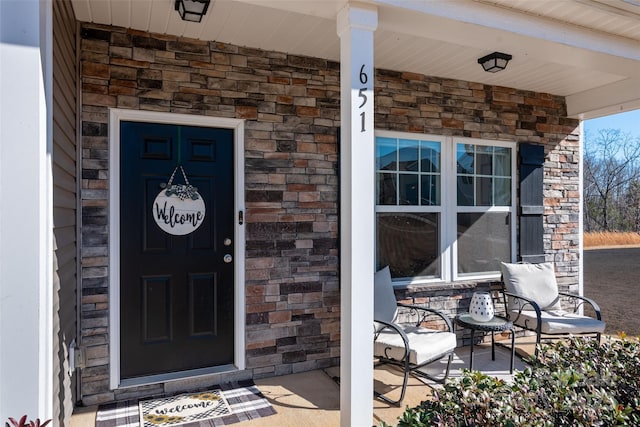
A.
pixel 363 76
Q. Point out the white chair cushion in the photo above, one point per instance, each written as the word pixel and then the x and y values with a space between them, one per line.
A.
pixel 558 322
pixel 425 344
pixel 385 307
pixel 534 281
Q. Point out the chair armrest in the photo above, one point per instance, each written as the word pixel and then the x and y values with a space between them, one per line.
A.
pixel 589 301
pixel 527 302
pixel 428 311
pixel 395 328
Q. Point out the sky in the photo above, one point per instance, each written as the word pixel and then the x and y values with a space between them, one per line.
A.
pixel 628 122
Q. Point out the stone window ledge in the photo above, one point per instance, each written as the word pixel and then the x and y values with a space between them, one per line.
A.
pixel 447 286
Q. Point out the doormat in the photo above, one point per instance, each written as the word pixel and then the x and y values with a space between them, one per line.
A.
pixel 183 409
pixel 245 400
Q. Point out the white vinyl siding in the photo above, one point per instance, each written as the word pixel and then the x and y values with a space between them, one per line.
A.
pixel 64 208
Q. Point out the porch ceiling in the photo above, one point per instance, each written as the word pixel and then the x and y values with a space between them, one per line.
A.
pixel 586 50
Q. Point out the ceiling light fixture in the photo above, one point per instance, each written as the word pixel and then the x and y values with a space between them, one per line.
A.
pixel 494 62
pixel 192 10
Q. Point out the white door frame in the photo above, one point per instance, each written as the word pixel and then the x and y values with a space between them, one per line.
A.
pixel 115 117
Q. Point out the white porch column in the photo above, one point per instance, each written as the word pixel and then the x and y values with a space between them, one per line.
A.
pixel 26 268
pixel 356 24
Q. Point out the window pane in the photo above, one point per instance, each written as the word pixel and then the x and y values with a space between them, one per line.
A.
pixel 408 189
pixel 430 190
pixel 429 156
pixel 484 239
pixel 484 160
pixel 484 191
pixel 502 190
pixel 465 153
pixel 502 161
pixel 409 244
pixel 490 169
pixel 408 153
pixel 465 190
pixel 386 152
pixel 387 189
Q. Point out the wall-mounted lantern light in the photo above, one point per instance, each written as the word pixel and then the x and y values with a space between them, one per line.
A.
pixel 192 10
pixel 495 61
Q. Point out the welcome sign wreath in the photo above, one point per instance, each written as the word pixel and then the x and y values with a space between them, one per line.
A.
pixel 179 209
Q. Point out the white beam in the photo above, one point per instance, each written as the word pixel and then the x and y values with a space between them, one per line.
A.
pixel 613 98
pixel 471 23
pixel 26 266
pixel 581 214
pixel 356 24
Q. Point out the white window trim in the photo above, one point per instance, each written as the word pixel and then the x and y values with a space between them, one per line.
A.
pixel 449 208
pixel 453 206
pixel 115 117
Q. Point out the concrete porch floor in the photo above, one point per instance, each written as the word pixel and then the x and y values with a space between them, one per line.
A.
pixel 311 399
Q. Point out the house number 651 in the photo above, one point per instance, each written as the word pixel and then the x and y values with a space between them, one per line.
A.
pixel 364 78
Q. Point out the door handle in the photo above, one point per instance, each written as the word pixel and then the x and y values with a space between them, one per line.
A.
pixel 227 258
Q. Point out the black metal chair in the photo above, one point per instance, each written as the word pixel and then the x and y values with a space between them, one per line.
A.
pixel 533 303
pixel 402 339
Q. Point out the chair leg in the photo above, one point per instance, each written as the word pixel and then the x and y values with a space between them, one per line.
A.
pixel 407 372
pixel 405 381
pixel 398 402
pixel 446 373
pixel 431 377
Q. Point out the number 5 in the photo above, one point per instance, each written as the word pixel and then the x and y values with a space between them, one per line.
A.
pixel 362 95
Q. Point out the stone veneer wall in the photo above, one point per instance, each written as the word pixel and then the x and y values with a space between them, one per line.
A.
pixel 291 107
pixel 411 102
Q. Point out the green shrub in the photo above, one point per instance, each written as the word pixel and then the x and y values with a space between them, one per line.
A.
pixel 571 383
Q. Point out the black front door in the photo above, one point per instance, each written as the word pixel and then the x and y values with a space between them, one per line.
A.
pixel 176 291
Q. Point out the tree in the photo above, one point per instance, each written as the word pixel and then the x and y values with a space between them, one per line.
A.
pixel 632 210
pixel 611 164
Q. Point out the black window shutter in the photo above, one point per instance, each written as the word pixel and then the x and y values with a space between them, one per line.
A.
pixel 531 203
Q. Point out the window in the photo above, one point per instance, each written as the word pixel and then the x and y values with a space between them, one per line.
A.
pixel 444 206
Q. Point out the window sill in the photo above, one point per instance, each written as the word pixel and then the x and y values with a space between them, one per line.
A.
pixel 445 286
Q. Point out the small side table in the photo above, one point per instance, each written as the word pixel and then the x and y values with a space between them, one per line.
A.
pixel 497 324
